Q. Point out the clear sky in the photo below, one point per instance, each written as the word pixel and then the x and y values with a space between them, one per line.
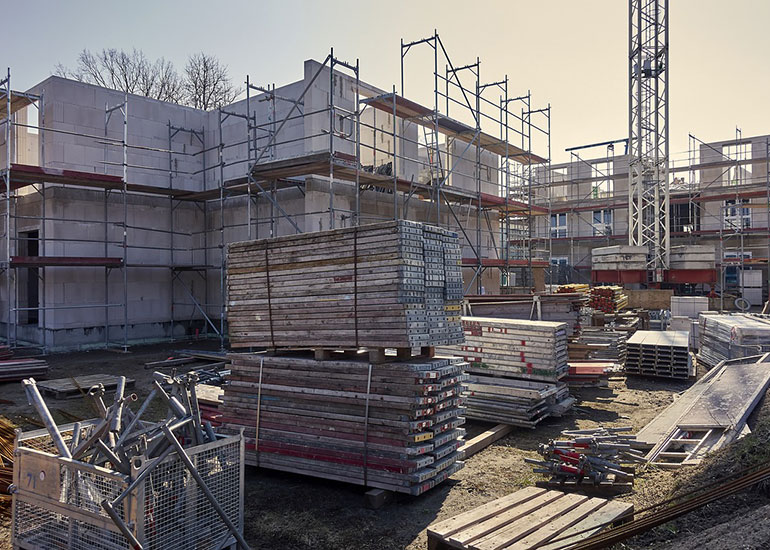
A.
pixel 571 53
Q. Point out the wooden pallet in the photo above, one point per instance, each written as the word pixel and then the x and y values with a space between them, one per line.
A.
pixel 77 386
pixel 530 518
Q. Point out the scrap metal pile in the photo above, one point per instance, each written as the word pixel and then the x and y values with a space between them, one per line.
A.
pixel 118 482
pixel 592 456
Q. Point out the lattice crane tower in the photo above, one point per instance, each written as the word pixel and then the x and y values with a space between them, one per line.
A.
pixel 648 189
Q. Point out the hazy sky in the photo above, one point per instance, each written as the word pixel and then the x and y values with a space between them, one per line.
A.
pixel 571 53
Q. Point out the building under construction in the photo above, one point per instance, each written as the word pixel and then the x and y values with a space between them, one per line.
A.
pixel 117 208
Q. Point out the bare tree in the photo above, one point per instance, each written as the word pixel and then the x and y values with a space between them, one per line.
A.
pixel 129 72
pixel 207 84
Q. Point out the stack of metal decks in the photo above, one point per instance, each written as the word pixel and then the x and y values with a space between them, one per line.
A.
pixel 393 284
pixel 660 353
pixel 515 367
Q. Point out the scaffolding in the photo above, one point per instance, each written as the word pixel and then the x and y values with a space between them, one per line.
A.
pixel 377 154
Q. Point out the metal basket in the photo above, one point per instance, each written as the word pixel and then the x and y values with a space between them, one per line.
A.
pixel 57 501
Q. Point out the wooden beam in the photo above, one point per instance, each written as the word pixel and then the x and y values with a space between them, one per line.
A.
pixel 484 440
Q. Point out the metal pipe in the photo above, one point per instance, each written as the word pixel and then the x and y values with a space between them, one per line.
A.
pixel 117 408
pixel 35 399
pixel 136 418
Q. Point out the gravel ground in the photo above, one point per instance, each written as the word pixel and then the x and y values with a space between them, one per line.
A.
pixel 292 512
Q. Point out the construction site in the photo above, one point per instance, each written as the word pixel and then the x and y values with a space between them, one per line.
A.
pixel 328 315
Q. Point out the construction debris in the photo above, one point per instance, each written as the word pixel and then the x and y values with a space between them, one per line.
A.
pixel 515 369
pixel 392 284
pixel 395 425
pixel 118 480
pixel 732 336
pixel 598 457
pixel 530 518
pixel 660 353
pixel 709 415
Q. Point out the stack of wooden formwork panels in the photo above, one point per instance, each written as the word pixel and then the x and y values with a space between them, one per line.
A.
pixel 395 425
pixel 391 284
pixel 659 353
pixel 391 422
pixel 613 342
pixel 732 336
pixel 515 367
pixel 619 257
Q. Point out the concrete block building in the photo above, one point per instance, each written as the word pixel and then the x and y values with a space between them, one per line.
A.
pixel 118 208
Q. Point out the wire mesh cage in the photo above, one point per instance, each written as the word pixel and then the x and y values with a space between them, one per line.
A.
pixel 57 502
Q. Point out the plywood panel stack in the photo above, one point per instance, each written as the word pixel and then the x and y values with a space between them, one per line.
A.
pixel 515 368
pixel 609 299
pixel 395 425
pixel 392 284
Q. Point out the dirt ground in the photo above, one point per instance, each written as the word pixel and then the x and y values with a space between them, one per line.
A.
pixel 292 512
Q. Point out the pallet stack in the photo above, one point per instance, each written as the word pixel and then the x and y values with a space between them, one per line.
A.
pixel 515 368
pixel 384 421
pixel 395 425
pixel 609 299
pixel 392 284
pixel 660 353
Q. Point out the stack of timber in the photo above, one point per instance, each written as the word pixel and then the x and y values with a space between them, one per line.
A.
pixel 619 258
pixel 515 369
pixel 13 370
pixel 732 336
pixel 600 457
pixel 692 256
pixel 394 425
pixel 660 353
pixel 712 413
pixel 395 284
pixel 608 343
pixel 609 299
pixel 527 519
pixel 557 308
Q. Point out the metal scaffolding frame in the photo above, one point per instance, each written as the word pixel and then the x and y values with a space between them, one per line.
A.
pixel 334 154
pixel 36 265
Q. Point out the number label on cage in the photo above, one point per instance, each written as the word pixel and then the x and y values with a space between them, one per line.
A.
pixel 39 476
